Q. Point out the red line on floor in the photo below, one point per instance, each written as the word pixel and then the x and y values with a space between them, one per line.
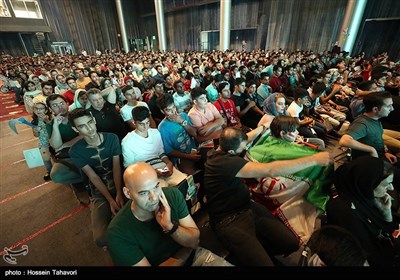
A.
pixel 22 193
pixel 21 143
pixel 18 161
pixel 46 228
pixel 11 164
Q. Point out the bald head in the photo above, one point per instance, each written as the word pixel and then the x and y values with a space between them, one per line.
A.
pixel 139 174
pixel 231 138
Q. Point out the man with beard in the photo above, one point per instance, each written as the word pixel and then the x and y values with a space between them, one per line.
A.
pixel 239 222
pixel 62 137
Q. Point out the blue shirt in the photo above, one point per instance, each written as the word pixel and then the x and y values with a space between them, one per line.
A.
pixel 175 137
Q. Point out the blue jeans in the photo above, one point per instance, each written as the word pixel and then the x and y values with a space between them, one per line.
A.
pixel 252 235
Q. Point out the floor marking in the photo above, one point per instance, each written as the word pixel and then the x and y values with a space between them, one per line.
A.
pixel 46 228
pixel 22 193
pixel 23 142
pixel 12 106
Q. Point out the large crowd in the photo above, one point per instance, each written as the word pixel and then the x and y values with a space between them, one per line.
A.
pixel 130 127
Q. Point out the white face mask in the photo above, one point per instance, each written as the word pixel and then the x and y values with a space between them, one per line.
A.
pixel 290 136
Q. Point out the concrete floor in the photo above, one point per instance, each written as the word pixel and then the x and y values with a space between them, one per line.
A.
pixel 44 216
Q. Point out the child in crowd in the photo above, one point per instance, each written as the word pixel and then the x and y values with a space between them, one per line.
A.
pixel 40 117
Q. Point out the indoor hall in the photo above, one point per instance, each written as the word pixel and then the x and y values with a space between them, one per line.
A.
pixel 49 224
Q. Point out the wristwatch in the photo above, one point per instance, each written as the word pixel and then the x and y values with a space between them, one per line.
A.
pixel 184 123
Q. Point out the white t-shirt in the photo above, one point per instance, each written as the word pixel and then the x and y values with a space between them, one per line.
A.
pixel 136 148
pixel 126 110
pixel 294 109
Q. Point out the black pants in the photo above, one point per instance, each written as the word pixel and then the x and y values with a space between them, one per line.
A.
pixel 252 235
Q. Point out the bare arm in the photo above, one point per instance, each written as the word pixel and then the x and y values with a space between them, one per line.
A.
pixel 210 127
pixel 323 100
pixel 99 184
pixel 282 167
pixel 117 176
pixel 349 142
pixel 255 132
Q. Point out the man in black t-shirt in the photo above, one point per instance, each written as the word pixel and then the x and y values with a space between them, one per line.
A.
pixel 247 229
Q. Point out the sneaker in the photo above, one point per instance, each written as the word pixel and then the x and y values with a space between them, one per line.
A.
pixel 46 177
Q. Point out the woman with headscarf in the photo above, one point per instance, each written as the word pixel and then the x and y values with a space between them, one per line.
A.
pixel 61 84
pixel 80 100
pixel 360 203
pixel 274 105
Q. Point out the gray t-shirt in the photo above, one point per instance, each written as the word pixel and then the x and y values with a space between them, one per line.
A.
pixel 367 131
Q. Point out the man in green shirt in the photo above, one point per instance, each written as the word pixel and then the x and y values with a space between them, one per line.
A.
pixel 155 227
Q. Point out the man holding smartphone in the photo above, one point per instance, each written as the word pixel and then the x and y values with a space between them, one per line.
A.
pixel 155 227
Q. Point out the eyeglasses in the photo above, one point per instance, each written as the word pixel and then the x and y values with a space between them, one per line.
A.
pixel 59 104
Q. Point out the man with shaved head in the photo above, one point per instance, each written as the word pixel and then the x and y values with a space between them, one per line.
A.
pixel 155 227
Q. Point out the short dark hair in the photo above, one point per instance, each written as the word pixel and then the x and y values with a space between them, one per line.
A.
pixel 221 86
pixel 336 246
pixel 231 138
pixel 300 93
pixel 164 101
pixel 196 92
pixel 126 88
pixel 140 113
pixel 54 97
pixel 283 123
pixel 77 113
pixel 365 85
pixel 70 78
pixel 375 99
pixel 239 81
pixel 48 83
pixel 93 91
pixel 319 87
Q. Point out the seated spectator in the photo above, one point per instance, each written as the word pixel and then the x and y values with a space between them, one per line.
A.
pixel 308 127
pixel 182 99
pixel 62 137
pixel 226 106
pixel 176 132
pixel 47 90
pixel 30 93
pixel 263 90
pixel 145 144
pixel 61 84
pixel 72 88
pixel 132 95
pixel 154 228
pixel 245 105
pixel 296 198
pixel 98 156
pixel 239 222
pixel 204 116
pixel 362 205
pixel 80 100
pixel 107 117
